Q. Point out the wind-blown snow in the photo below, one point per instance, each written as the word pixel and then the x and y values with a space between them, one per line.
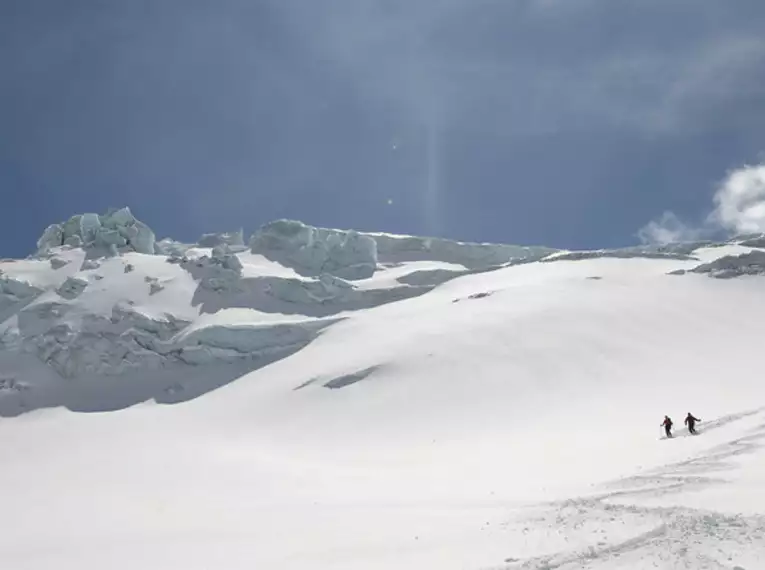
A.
pixel 470 410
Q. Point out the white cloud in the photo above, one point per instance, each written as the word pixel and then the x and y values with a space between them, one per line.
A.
pixel 668 228
pixel 739 209
pixel 740 201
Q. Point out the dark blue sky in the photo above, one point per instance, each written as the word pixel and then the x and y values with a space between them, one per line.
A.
pixel 569 123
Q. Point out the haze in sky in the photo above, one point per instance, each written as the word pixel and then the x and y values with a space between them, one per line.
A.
pixel 569 123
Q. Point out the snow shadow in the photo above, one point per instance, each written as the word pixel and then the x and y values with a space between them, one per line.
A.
pixel 342 381
pixel 348 379
pixel 174 384
pixel 309 298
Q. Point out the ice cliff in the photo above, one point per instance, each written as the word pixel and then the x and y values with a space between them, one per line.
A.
pixel 313 251
pixel 102 298
pixel 729 266
pixel 117 230
pixel 357 255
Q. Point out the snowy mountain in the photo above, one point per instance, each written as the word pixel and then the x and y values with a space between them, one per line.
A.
pixel 337 399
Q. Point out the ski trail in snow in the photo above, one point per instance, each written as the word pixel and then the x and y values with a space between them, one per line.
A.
pixel 606 531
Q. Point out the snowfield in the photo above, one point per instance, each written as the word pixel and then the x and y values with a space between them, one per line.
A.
pixel 463 406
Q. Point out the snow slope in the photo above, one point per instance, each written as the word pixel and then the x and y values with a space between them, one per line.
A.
pixel 431 415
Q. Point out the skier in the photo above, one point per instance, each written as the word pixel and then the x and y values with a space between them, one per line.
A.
pixel 667 424
pixel 690 421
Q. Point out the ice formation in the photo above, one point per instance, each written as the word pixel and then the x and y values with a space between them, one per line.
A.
pixel 394 248
pixel 293 281
pixel 72 287
pixel 726 267
pixel 313 251
pixel 232 239
pixel 115 231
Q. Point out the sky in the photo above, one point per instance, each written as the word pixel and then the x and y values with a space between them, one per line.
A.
pixel 568 123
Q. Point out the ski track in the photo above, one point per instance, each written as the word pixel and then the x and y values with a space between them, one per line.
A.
pixel 576 531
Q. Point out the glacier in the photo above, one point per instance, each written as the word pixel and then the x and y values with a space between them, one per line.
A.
pixel 84 304
pixel 312 251
pixel 291 282
pixel 107 233
pixel 311 397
